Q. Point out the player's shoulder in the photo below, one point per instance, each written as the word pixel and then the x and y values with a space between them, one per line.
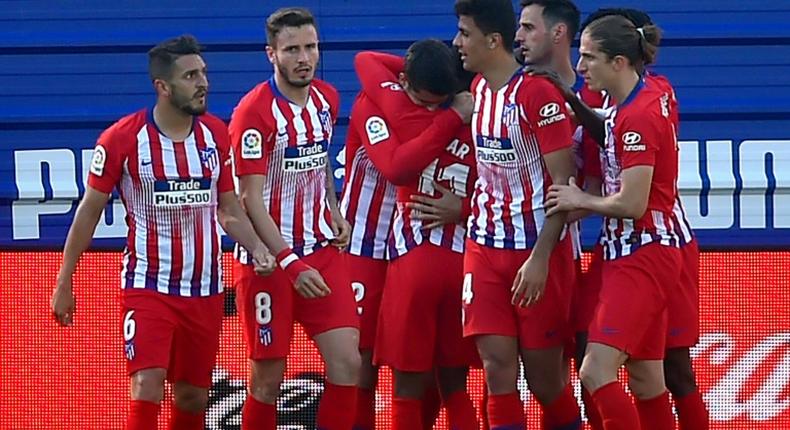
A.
pixel 536 83
pixel 257 96
pixel 125 129
pixel 476 82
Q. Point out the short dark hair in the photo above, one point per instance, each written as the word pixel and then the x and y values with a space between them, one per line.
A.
pixel 491 16
pixel 429 65
pixel 162 56
pixel 636 16
pixel 555 11
pixel 617 35
pixel 287 17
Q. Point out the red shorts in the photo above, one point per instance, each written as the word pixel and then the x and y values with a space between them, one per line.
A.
pixel 589 289
pixel 632 312
pixel 367 281
pixel 487 298
pixel 269 305
pixel 683 304
pixel 180 334
pixel 420 318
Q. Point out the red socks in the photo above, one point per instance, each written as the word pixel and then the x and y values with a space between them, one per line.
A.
pixel 257 415
pixel 406 414
pixel 692 412
pixel 505 412
pixel 656 413
pixel 461 411
pixel 593 417
pixel 142 415
pixel 183 420
pixel 563 413
pixel 615 406
pixel 337 410
pixel 366 410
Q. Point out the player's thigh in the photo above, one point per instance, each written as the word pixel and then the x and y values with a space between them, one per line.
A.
pixel 196 342
pixel 265 305
pixel 683 302
pixel 631 315
pixel 646 378
pixel 367 277
pixel 452 349
pixel 546 324
pixel 406 335
pixel 486 296
pixel 338 309
pixel 148 325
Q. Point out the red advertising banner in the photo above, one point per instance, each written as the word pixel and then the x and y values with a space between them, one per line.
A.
pixel 73 378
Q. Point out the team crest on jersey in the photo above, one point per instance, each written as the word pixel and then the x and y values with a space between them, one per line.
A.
pixel 98 160
pixel 251 144
pixel 326 120
pixel 265 335
pixel 376 129
pixel 510 114
pixel 209 158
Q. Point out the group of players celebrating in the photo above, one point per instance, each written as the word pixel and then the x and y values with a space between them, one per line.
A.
pixel 455 243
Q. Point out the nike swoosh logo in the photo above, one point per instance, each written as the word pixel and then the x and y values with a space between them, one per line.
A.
pixel 145 163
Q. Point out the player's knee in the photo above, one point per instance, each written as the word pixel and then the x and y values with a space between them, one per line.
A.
pixel 679 374
pixel 595 373
pixel 190 398
pixel 148 385
pixel 645 382
pixel 343 368
pixel 265 380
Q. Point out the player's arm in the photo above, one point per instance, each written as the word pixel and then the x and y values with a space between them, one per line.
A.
pixel 340 226
pixel 399 161
pixel 235 222
pixel 555 140
pixel 373 69
pixel 77 241
pixel 637 174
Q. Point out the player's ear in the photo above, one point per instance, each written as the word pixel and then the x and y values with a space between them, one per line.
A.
pixel 270 53
pixel 558 32
pixel 494 40
pixel 162 87
pixel 620 62
pixel 403 81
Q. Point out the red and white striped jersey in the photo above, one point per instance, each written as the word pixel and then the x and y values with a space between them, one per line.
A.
pixel 413 147
pixel 640 131
pixel 513 127
pixel 170 192
pixel 368 201
pixel 288 143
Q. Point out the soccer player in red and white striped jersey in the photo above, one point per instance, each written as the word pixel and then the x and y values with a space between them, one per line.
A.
pixel 640 243
pixel 425 151
pixel 519 269
pixel 280 132
pixel 171 166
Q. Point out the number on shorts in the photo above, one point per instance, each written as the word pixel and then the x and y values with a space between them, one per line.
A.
pixel 129 326
pixel 359 294
pixel 263 308
pixel 467 295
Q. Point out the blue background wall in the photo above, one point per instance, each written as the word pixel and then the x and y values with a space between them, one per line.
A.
pixel 68 71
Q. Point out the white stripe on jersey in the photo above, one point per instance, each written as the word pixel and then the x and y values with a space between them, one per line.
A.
pixel 136 202
pixel 209 227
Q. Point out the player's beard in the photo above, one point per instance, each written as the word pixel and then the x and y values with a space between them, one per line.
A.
pixel 293 81
pixel 189 104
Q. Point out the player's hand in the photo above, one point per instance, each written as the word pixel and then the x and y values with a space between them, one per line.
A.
pixel 464 104
pixel 310 284
pixel 63 303
pixel 445 209
pixel 530 282
pixel 263 261
pixel 342 230
pixel 567 92
pixel 565 198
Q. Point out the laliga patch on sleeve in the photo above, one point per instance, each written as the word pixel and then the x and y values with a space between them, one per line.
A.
pixel 376 129
pixel 98 160
pixel 251 144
